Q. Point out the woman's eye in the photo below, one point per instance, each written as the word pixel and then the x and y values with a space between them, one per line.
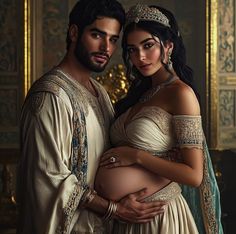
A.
pixel 148 45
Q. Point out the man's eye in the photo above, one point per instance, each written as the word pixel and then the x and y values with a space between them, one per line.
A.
pixel 96 35
pixel 113 40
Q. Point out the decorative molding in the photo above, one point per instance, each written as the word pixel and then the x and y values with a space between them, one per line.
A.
pixel 36 40
pixel 226 108
pixel 226 36
pixel 222 77
pixel 27 46
pixel 228 138
pixel 212 75
pixel 228 81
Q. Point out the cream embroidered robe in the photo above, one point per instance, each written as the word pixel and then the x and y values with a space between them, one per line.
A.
pixel 64 131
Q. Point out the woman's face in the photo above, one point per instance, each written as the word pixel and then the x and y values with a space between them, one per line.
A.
pixel 144 51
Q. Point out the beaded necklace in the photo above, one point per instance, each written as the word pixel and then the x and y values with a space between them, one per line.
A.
pixel 151 92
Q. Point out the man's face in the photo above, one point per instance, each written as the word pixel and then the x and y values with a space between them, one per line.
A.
pixel 97 43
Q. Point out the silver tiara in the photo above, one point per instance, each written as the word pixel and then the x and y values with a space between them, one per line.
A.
pixel 145 13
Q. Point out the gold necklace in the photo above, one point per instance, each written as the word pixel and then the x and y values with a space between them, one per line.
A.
pixel 151 92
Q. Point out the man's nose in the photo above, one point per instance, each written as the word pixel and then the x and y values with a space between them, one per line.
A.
pixel 105 46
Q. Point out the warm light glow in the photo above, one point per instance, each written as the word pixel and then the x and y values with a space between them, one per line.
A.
pixel 27 55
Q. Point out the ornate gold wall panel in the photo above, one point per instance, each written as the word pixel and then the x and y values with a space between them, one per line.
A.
pixel 226 34
pixel 222 76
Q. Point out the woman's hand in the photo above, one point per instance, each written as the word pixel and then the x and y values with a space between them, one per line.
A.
pixel 119 156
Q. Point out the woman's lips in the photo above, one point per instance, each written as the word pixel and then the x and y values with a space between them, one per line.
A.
pixel 145 66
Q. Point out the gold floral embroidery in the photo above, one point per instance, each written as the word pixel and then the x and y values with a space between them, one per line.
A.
pixel 188 130
pixel 36 102
pixel 207 202
pixel 99 104
pixel 166 194
pixel 69 210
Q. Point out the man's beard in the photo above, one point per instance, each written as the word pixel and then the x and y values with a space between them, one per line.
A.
pixel 84 57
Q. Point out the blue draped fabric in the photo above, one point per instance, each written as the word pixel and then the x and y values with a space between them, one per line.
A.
pixel 204 201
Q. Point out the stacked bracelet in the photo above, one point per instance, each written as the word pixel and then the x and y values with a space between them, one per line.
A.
pixel 87 197
pixel 111 210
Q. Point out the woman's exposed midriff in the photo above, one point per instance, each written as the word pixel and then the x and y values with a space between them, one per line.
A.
pixel 118 182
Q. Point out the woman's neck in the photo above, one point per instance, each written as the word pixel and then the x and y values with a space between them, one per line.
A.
pixel 161 76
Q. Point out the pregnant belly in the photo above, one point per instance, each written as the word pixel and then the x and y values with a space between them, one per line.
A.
pixel 118 182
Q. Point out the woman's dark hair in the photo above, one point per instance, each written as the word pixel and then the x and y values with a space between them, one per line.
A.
pixel 85 12
pixel 178 57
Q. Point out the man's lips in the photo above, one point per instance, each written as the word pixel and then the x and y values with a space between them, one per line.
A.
pixel 101 58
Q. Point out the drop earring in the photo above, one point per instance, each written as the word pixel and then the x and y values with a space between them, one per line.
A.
pixel 169 62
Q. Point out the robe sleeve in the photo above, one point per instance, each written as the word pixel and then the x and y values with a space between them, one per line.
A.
pixel 49 194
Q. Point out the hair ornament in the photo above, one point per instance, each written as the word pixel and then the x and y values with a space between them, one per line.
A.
pixel 141 12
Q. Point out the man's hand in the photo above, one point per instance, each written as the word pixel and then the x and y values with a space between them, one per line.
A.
pixel 133 210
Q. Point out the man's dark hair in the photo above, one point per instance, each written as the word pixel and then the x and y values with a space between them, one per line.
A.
pixel 85 12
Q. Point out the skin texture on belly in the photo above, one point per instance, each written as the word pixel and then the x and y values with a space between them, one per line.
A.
pixel 118 182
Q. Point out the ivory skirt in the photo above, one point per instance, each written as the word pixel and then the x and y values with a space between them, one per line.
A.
pixel 176 219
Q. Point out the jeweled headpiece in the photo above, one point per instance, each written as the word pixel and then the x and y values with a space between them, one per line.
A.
pixel 141 12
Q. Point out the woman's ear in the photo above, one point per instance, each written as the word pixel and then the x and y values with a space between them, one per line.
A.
pixel 170 46
pixel 73 32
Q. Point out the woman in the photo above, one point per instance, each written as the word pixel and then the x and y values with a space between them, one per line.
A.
pixel 161 111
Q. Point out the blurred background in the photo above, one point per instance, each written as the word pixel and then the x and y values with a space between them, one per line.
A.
pixel 32 41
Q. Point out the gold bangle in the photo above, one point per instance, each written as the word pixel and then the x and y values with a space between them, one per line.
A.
pixel 111 210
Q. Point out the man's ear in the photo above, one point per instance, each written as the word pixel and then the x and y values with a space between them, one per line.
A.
pixel 73 32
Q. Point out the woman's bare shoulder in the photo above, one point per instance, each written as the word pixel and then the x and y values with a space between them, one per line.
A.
pixel 183 99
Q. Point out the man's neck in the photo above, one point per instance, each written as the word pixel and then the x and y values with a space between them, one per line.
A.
pixel 76 70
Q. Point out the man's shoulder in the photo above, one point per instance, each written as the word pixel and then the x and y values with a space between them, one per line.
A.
pixel 46 83
pixel 48 86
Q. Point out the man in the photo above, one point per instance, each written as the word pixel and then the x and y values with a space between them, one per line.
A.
pixel 64 129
